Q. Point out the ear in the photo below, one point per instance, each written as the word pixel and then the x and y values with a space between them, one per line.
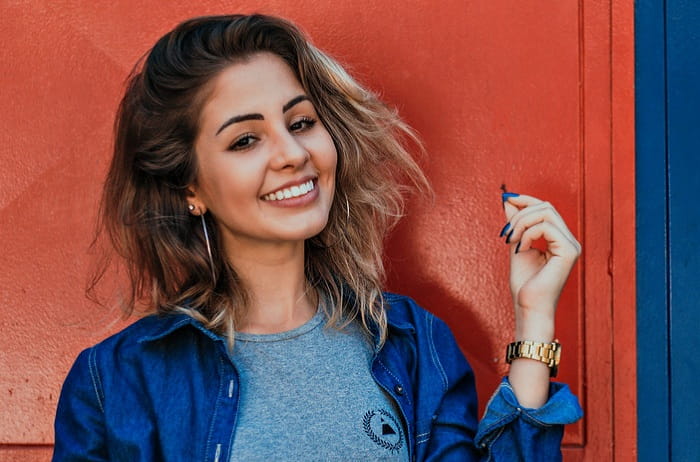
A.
pixel 194 202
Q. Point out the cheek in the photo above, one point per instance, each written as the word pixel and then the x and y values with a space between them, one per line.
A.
pixel 329 156
pixel 228 183
pixel 332 163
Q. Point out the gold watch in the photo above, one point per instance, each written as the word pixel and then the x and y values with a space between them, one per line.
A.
pixel 548 353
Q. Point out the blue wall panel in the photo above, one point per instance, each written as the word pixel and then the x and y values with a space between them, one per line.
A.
pixel 668 255
pixel 683 90
pixel 653 415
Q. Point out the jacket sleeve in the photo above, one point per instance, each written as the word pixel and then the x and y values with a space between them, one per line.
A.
pixel 79 425
pixel 507 432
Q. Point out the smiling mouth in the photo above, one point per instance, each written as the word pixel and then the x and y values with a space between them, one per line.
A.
pixel 293 191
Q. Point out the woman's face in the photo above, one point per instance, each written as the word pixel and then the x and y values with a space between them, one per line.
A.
pixel 266 164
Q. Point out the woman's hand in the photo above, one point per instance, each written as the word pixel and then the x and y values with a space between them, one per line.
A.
pixel 536 281
pixel 537 278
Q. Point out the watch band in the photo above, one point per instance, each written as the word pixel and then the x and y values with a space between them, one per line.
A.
pixel 548 353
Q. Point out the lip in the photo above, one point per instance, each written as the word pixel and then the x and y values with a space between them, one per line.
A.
pixel 299 201
pixel 289 184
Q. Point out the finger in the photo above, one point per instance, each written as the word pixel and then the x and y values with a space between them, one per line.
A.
pixel 533 203
pixel 522 200
pixel 557 243
pixel 531 215
pixel 512 204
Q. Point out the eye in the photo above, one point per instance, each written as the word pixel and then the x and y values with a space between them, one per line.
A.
pixel 302 124
pixel 242 142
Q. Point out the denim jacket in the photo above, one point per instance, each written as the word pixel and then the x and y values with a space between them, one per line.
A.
pixel 165 388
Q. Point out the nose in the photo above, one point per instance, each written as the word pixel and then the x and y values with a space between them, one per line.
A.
pixel 289 152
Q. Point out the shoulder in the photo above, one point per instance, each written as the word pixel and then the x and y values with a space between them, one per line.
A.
pixel 138 341
pixel 406 316
pixel 139 331
pixel 404 313
pixel 142 353
pixel 402 309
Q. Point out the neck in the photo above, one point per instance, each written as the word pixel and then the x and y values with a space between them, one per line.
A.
pixel 275 279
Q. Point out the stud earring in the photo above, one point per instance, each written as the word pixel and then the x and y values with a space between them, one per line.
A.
pixel 191 207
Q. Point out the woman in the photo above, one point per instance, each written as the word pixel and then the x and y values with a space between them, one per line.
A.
pixel 252 183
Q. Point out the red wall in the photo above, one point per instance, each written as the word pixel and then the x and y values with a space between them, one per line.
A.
pixel 533 94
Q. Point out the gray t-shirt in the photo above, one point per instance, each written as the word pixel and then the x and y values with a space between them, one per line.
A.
pixel 308 395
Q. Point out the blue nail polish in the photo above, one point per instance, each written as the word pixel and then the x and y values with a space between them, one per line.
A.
pixel 509 235
pixel 517 247
pixel 504 230
pixel 506 195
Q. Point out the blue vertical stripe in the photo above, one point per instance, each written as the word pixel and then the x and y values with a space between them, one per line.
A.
pixel 654 424
pixel 683 92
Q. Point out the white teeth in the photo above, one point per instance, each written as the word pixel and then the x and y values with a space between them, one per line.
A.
pixel 288 193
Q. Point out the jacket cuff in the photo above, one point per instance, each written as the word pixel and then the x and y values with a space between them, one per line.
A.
pixel 562 407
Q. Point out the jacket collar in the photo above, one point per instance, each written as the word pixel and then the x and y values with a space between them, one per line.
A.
pixel 162 325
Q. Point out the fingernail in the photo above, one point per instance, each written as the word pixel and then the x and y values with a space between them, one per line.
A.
pixel 509 235
pixel 517 247
pixel 506 195
pixel 505 228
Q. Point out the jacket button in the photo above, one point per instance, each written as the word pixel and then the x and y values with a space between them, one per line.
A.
pixel 398 389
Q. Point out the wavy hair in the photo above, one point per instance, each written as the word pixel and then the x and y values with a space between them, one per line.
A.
pixel 144 211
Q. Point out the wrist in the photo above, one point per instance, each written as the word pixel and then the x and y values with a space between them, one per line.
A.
pixel 535 326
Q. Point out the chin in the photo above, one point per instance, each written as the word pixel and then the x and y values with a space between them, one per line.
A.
pixel 314 230
pixel 302 230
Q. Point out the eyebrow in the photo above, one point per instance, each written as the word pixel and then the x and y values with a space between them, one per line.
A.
pixel 256 116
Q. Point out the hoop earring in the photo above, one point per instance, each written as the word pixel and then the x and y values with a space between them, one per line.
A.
pixel 206 238
pixel 347 208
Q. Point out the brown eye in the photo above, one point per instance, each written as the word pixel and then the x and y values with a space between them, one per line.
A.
pixel 302 124
pixel 243 142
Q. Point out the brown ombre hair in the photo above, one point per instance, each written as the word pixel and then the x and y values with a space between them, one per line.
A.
pixel 144 208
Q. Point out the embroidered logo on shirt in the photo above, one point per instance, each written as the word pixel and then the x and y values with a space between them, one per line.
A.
pixel 383 429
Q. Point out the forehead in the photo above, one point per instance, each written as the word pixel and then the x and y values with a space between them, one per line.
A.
pixel 262 82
